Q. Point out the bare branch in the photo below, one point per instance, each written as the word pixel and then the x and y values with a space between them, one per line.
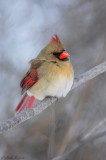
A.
pixel 10 123
pixel 94 72
pixel 79 143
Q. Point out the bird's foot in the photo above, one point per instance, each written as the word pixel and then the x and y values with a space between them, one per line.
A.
pixel 53 97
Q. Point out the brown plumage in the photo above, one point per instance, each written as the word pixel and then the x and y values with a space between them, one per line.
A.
pixel 50 74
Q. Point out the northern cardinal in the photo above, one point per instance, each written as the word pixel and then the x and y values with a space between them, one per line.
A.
pixel 50 74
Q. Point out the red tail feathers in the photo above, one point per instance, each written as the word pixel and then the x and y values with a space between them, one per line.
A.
pixel 26 102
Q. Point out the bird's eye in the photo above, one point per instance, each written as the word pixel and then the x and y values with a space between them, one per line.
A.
pixel 56 53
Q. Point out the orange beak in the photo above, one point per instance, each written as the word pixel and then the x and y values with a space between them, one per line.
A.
pixel 64 55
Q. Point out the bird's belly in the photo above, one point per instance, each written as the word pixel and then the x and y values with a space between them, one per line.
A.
pixel 58 88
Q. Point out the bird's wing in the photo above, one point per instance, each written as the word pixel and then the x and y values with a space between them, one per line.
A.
pixel 31 76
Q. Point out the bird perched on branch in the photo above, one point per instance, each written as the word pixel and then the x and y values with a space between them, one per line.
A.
pixel 50 74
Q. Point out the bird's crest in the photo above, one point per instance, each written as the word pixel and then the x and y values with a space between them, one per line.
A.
pixel 55 39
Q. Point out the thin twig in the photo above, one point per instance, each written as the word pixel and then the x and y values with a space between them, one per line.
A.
pixel 79 143
pixel 28 114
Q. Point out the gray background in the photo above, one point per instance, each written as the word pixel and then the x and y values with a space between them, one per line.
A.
pixel 26 26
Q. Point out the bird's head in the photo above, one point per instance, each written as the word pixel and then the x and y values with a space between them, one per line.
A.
pixel 54 51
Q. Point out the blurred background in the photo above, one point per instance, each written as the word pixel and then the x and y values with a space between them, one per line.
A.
pixel 25 28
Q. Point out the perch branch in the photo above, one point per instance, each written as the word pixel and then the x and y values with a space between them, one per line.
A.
pixel 28 114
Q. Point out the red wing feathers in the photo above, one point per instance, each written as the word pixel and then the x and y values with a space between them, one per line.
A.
pixel 29 80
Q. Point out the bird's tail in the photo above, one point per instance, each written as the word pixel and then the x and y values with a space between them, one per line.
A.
pixel 26 102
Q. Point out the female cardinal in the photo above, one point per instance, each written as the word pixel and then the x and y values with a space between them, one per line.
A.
pixel 50 74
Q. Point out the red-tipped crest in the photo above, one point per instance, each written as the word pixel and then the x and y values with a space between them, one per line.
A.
pixel 55 38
